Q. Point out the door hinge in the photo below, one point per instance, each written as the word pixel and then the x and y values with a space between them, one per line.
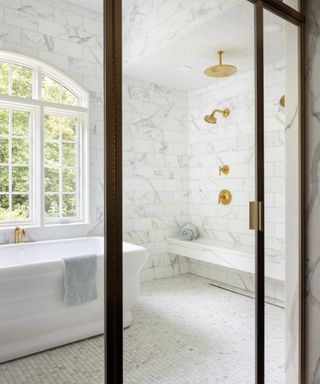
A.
pixel 256 215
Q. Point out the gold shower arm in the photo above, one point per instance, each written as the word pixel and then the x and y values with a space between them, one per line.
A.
pixel 225 112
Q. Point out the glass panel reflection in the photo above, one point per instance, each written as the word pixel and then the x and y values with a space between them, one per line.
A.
pixel 282 200
pixel 189 175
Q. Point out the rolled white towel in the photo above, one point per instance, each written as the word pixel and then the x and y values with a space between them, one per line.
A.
pixel 188 232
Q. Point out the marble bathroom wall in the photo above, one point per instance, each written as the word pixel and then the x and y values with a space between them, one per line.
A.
pixel 231 142
pixel 155 166
pixel 69 38
pixel 172 159
pixel 313 185
pixel 150 25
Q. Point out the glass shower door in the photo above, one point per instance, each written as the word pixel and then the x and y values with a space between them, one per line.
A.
pixel 188 162
pixel 283 180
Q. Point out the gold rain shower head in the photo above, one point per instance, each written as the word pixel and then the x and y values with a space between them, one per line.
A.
pixel 220 70
pixel 211 119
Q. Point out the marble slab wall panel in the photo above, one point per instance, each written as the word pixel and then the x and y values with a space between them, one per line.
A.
pixel 69 38
pixel 231 142
pixel 313 184
pixel 150 25
pixel 155 156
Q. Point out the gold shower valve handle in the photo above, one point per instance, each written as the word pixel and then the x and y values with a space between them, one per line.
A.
pixel 224 169
pixel 225 197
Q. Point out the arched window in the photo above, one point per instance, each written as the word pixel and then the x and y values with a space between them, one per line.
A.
pixel 43 144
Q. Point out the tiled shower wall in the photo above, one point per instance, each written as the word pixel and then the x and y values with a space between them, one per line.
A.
pixel 232 142
pixel 172 159
pixel 155 172
pixel 313 203
pixel 69 38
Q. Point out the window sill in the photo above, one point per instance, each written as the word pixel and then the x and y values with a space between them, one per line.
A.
pixel 32 226
pixel 64 224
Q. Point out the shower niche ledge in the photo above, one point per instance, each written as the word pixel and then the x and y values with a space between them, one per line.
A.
pixel 231 265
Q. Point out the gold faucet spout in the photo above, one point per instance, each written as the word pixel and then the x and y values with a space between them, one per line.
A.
pixel 19 234
pixel 23 233
pixel 16 235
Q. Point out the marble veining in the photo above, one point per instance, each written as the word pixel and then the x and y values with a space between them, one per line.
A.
pixel 231 142
pixel 155 172
pixel 172 158
pixel 151 25
pixel 70 38
pixel 313 206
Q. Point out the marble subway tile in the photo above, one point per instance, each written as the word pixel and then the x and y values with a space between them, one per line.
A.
pixel 44 30
pixel 18 18
pixel 9 33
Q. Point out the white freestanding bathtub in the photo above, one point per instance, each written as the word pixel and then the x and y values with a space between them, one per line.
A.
pixel 33 316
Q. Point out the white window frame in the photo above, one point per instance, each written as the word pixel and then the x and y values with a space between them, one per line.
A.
pixel 38 108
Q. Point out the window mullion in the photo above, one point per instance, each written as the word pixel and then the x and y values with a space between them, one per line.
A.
pixel 10 164
pixel 39 161
pixel 79 164
pixel 60 168
pixel 10 79
pixel 37 85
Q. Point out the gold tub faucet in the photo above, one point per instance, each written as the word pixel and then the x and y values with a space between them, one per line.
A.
pixel 19 234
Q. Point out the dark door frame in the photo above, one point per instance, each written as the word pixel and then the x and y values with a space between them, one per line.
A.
pixel 113 180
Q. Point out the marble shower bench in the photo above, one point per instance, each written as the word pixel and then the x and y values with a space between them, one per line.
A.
pixel 232 266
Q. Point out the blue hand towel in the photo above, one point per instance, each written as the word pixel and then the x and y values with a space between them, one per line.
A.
pixel 188 232
pixel 80 279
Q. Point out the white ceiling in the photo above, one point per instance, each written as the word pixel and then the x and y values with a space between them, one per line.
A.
pixel 93 5
pixel 180 64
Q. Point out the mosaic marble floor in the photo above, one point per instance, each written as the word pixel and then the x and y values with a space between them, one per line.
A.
pixel 185 331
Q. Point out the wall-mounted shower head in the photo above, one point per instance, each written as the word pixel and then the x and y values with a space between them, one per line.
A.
pixel 211 119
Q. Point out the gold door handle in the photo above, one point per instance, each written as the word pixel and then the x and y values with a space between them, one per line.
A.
pixel 256 215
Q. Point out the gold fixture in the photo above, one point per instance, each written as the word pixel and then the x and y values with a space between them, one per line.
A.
pixel 224 169
pixel 225 197
pixel 220 70
pixel 282 101
pixel 19 234
pixel 256 215
pixel 211 119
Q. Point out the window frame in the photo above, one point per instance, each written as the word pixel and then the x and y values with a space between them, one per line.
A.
pixel 82 169
pixel 38 108
pixel 34 149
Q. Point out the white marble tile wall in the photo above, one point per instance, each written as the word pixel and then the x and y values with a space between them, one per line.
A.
pixel 155 172
pixel 172 157
pixel 150 25
pixel 69 38
pixel 231 142
pixel 313 185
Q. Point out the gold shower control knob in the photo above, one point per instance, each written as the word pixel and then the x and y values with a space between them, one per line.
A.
pixel 225 197
pixel 224 169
